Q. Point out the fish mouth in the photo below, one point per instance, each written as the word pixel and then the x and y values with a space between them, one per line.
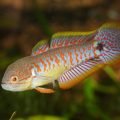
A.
pixel 15 87
pixel 7 87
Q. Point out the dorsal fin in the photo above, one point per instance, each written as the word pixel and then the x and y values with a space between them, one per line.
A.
pixel 40 47
pixel 63 39
pixel 110 26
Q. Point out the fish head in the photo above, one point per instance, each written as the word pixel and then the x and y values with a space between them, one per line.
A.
pixel 108 43
pixel 18 76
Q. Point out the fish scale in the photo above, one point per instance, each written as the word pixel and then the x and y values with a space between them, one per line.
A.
pixel 71 54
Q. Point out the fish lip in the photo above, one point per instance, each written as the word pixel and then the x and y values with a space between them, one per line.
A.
pixel 4 86
pixel 11 83
pixel 4 83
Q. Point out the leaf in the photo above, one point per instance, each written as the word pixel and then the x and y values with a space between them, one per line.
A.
pixel 42 117
pixel 110 72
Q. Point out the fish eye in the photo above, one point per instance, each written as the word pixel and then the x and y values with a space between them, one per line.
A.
pixel 14 79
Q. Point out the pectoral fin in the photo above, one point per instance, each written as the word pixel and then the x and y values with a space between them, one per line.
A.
pixel 44 90
pixel 79 73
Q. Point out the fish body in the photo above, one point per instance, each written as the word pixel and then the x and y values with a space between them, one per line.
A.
pixel 69 58
pixel 55 62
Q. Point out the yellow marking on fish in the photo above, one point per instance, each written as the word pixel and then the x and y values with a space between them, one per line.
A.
pixel 73 33
pixel 56 71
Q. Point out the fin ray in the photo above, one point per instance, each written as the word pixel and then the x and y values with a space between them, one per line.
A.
pixel 78 73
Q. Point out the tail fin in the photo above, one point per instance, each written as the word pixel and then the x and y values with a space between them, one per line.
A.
pixel 109 37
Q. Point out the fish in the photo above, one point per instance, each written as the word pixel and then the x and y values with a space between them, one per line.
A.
pixel 65 60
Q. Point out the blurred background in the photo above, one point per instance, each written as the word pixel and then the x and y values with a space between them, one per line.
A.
pixel 25 22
